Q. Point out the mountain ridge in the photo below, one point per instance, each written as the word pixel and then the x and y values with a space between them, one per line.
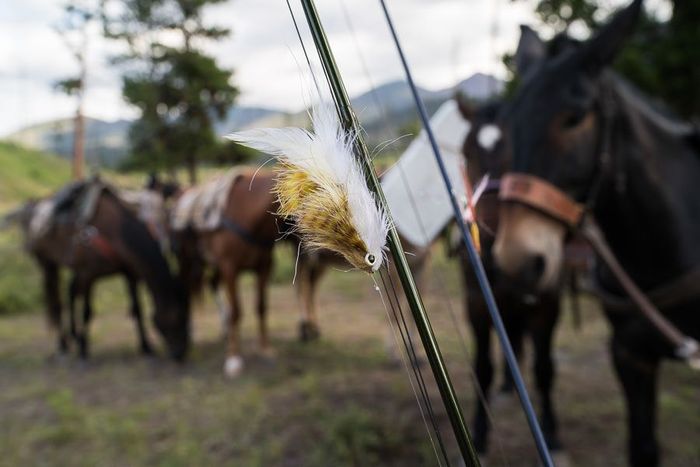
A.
pixel 381 111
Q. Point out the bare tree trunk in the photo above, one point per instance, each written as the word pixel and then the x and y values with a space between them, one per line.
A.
pixel 79 130
pixel 79 143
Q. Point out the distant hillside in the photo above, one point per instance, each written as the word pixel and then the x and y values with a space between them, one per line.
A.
pixel 382 113
pixel 105 142
pixel 27 173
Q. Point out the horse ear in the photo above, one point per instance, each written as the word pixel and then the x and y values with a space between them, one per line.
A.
pixel 531 50
pixel 600 50
pixel 465 107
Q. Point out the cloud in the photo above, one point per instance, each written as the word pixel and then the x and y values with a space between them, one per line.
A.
pixel 445 41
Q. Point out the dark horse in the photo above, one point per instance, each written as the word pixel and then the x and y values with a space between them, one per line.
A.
pixel 579 130
pixel 524 313
pixel 107 240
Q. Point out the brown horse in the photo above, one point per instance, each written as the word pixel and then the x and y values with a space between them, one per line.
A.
pixel 98 241
pixel 240 239
pixel 524 312
pixel 312 265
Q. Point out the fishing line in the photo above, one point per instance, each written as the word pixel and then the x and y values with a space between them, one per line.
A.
pixel 476 261
pixel 413 359
pixel 303 48
pixel 405 363
pixel 441 283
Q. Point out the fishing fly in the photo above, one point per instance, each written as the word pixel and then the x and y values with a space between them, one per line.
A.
pixel 321 188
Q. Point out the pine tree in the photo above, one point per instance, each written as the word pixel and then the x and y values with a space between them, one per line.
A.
pixel 179 89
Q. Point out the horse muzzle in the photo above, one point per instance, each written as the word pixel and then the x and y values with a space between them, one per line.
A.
pixel 529 246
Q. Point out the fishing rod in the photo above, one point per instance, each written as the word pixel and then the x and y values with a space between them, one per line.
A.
pixel 474 258
pixel 350 124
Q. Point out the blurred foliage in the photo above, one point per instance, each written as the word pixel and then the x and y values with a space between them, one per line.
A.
pixel 662 58
pixel 25 174
pixel 179 89
pixel 73 30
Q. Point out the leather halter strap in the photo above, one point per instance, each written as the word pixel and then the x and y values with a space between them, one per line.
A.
pixel 537 193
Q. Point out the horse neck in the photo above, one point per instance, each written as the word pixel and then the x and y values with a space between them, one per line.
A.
pixel 146 258
pixel 649 207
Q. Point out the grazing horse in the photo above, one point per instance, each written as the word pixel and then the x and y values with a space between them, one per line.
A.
pixel 523 313
pixel 582 137
pixel 229 226
pixel 88 229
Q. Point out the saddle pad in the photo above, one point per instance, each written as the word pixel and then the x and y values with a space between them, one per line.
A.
pixel 414 188
pixel 41 219
pixel 202 206
pixel 76 202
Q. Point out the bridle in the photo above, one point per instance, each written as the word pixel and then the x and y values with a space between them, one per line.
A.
pixel 539 194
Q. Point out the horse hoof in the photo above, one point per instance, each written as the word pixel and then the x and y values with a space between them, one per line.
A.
pixel 308 331
pixel 233 367
pixel 59 358
pixel 268 353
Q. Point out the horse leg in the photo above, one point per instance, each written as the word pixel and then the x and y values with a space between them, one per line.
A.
pixel 52 297
pixel 481 327
pixel 83 345
pixel 234 361
pixel 309 276
pixel 638 374
pixel 515 333
pixel 542 331
pixel 73 294
pixel 137 315
pixel 263 274
pixel 220 300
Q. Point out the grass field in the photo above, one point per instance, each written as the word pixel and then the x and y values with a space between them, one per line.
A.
pixel 340 401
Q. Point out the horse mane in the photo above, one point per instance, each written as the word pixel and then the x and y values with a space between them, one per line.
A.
pixel 656 113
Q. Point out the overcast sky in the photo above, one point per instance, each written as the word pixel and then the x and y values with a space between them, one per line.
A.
pixel 445 40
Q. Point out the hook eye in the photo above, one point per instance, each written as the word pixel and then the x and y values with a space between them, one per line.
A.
pixel 370 259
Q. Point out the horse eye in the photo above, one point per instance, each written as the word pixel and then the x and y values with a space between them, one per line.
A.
pixel 573 119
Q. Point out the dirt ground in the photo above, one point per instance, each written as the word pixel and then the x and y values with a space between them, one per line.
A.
pixel 339 401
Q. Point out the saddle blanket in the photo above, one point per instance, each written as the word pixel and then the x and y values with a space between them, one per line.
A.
pixel 202 206
pixel 75 201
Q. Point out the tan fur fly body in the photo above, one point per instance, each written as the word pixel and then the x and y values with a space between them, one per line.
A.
pixel 321 188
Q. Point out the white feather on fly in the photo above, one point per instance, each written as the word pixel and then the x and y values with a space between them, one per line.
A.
pixel 326 156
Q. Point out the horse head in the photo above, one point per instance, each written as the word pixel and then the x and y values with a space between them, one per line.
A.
pixel 487 147
pixel 171 319
pixel 555 126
